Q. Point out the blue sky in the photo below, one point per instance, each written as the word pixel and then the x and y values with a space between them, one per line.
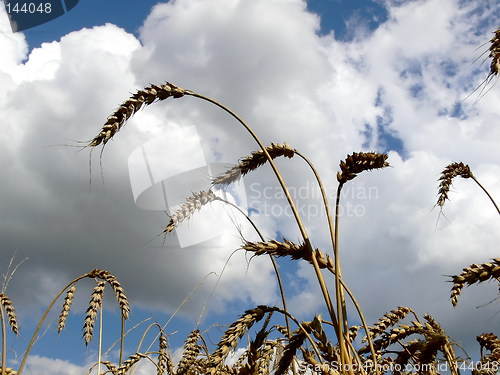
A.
pixel 328 77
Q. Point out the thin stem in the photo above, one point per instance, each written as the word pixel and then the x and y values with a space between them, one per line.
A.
pixel 4 340
pixel 99 355
pixel 488 194
pixel 122 340
pixel 302 229
pixel 40 323
pixel 273 260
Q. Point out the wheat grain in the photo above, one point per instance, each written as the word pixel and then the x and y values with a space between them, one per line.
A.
pixel 474 274
pixel 142 97
pixel 11 312
pixel 447 175
pixel 252 162
pixel 192 203
pixel 8 371
pixel 359 162
pixel 90 316
pixel 65 309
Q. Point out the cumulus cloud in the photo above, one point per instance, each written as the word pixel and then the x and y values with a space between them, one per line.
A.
pixel 402 84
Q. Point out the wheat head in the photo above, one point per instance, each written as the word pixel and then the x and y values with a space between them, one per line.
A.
pixel 252 162
pixel 474 274
pixel 65 309
pixel 11 312
pixel 90 316
pixel 447 175
pixel 359 162
pixel 127 109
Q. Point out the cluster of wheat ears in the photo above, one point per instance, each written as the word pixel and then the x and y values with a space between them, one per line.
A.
pixel 319 346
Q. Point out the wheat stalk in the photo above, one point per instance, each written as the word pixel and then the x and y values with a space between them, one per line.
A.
pixel 474 274
pixel 252 162
pixel 127 109
pixel 192 203
pixel 66 307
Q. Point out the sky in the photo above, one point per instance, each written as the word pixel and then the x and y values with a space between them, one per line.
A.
pixel 328 77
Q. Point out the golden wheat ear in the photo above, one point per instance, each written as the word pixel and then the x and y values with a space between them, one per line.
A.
pixel 68 300
pixel 189 207
pixel 474 274
pixel 252 162
pixel 129 107
pixel 7 304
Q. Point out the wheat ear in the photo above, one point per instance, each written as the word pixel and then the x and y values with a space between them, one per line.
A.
pixel 95 305
pixel 127 109
pixel 474 274
pixel 252 162
pixel 389 320
pixel 191 351
pixel 447 175
pixel 192 203
pixel 495 53
pixel 359 162
pixel 7 304
pixel 117 288
pixel 68 300
pixel 235 331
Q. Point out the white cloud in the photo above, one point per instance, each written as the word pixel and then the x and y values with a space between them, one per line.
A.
pixel 265 60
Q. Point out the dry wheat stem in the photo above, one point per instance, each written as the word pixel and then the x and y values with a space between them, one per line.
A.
pixel 474 274
pixel 273 261
pixel 252 162
pixel 290 201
